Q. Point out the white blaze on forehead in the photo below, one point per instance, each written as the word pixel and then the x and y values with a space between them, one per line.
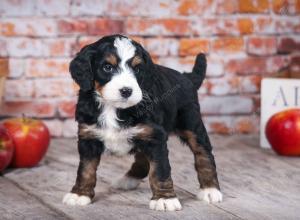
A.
pixel 125 48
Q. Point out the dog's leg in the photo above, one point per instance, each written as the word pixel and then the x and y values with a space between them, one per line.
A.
pixel 205 166
pixel 83 190
pixel 138 171
pixel 192 131
pixel 164 197
pixel 153 143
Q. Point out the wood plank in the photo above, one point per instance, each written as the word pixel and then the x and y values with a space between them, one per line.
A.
pixel 53 179
pixel 256 183
pixel 18 204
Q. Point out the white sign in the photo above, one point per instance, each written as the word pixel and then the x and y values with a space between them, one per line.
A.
pixel 277 95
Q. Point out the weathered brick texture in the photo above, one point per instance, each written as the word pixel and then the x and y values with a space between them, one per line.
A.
pixel 245 40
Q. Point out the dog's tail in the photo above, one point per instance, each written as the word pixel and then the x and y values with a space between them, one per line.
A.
pixel 199 70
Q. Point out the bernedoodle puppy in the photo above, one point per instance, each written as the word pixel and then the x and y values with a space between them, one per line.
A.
pixel 129 105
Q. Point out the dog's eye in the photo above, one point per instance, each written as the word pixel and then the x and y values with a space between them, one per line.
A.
pixel 108 68
pixel 137 69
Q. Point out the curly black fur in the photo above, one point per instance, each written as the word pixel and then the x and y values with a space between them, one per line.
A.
pixel 170 105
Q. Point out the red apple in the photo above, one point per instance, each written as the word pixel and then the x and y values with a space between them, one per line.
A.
pixel 283 132
pixel 6 148
pixel 31 138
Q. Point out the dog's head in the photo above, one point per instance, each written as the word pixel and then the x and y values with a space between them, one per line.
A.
pixel 115 67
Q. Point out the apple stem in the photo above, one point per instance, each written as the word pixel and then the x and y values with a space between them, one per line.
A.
pixel 24 118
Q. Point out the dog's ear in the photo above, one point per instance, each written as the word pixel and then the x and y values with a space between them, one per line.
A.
pixel 81 68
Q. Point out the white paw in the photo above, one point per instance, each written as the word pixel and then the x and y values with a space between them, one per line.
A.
pixel 126 183
pixel 74 199
pixel 162 204
pixel 210 195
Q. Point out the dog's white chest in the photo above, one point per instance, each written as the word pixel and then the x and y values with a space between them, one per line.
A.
pixel 116 140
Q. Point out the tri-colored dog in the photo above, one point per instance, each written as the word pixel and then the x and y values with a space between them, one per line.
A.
pixel 129 105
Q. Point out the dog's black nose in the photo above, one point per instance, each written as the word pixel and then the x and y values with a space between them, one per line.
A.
pixel 125 92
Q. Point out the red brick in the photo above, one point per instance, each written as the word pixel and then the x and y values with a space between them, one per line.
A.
pixel 47 67
pixel 285 7
pixel 18 89
pixel 54 88
pixel 262 46
pixel 194 7
pixel 69 26
pixel 52 7
pixel 121 8
pixel 223 86
pixel 159 8
pixel 88 7
pixel 228 45
pixel 215 105
pixel 245 26
pixel 250 84
pixel 224 26
pixel 297 6
pixel 40 109
pixel 253 6
pixel 16 68
pixel 287 25
pixel 193 46
pixel 153 27
pixel 178 63
pixel 226 6
pixel 105 26
pixel 24 47
pixel 61 47
pixel 67 108
pixel 289 44
pixel 28 27
pixel 257 65
pixel 295 64
pixel 204 26
pixel 4 64
pixel 215 67
pixel 16 8
pixel 83 41
pixel 161 46
pixel 3 48
pixel 264 25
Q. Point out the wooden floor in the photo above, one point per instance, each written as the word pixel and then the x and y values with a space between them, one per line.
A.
pixel 256 184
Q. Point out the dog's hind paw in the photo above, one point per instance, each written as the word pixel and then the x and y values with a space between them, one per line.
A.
pixel 74 199
pixel 163 204
pixel 126 183
pixel 210 195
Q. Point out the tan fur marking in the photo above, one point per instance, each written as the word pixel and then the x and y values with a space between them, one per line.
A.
pixel 206 171
pixel 140 168
pixel 160 189
pixel 86 178
pixel 98 88
pixel 136 61
pixel 111 59
pixel 84 132
pixel 146 134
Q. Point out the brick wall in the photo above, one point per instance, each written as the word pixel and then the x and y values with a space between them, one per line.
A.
pixel 245 40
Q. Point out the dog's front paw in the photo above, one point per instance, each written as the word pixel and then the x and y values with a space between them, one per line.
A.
pixel 74 199
pixel 126 183
pixel 210 195
pixel 164 204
